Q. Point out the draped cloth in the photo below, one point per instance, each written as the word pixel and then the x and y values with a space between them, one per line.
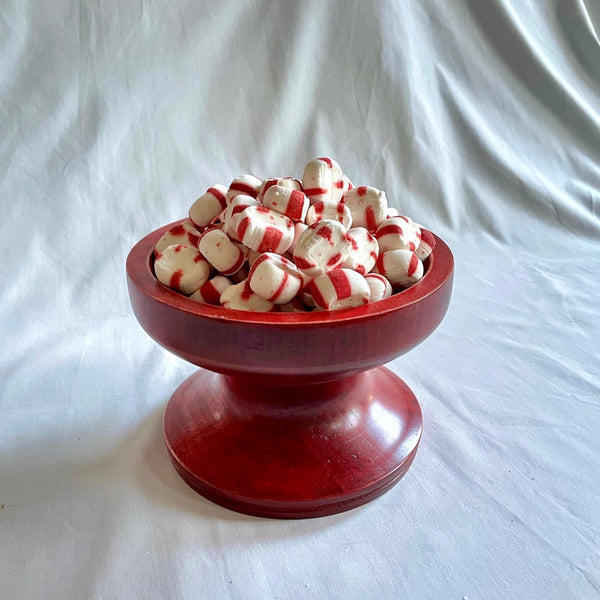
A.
pixel 479 119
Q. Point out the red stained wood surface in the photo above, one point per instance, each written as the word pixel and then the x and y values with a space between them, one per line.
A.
pixel 294 416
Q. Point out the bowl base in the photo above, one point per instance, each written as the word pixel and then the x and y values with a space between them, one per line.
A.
pixel 292 451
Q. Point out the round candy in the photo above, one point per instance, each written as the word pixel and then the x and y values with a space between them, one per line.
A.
pixel 264 230
pixel 224 255
pixel 398 233
pixel 286 182
pixel 244 184
pixel 230 215
pixel 182 268
pixel 241 297
pixel 210 292
pixel 289 202
pixel 380 287
pixel 322 247
pixel 275 278
pixel 400 267
pixel 364 253
pixel 184 233
pixel 426 245
pixel 341 288
pixel 337 212
pixel 323 181
pixel 208 206
pixel 368 206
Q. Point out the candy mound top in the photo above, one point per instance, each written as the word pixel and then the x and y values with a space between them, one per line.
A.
pixel 292 245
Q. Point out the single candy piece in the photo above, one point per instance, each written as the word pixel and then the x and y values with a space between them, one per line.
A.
pixel 241 297
pixel 364 251
pixel 426 245
pixel 275 278
pixel 182 268
pixel 210 292
pixel 380 287
pixel 264 230
pixel 287 201
pixel 341 288
pixel 208 206
pixel 322 247
pixel 400 267
pixel 368 206
pixel 230 214
pixel 323 181
pixel 398 233
pixel 290 182
pixel 337 212
pixel 286 182
pixel 184 233
pixel 225 256
pixel 244 184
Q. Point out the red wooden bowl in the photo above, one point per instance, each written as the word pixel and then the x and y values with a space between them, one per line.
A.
pixel 291 414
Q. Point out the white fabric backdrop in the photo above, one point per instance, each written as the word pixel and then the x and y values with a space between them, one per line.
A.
pixel 480 119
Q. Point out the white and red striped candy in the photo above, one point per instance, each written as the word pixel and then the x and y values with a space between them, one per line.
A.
pixel 264 230
pixel 380 287
pixel 230 214
pixel 323 181
pixel 277 242
pixel 337 212
pixel 368 206
pixel 426 245
pixel 341 288
pixel 241 297
pixel 182 268
pixel 288 201
pixel 208 206
pixel 400 267
pixel 210 292
pixel 398 233
pixel 322 247
pixel 184 233
pixel 275 278
pixel 364 251
pixel 223 254
pixel 286 182
pixel 249 185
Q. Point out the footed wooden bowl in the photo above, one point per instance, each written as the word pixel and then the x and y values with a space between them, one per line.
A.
pixel 291 415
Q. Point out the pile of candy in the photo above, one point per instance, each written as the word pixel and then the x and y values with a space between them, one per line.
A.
pixel 290 245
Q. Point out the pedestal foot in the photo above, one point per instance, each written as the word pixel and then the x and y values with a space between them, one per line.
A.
pixel 292 451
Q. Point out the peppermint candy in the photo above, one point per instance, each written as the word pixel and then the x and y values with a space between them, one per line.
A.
pixel 293 245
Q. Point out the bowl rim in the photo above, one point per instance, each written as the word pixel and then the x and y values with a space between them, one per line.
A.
pixel 439 269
